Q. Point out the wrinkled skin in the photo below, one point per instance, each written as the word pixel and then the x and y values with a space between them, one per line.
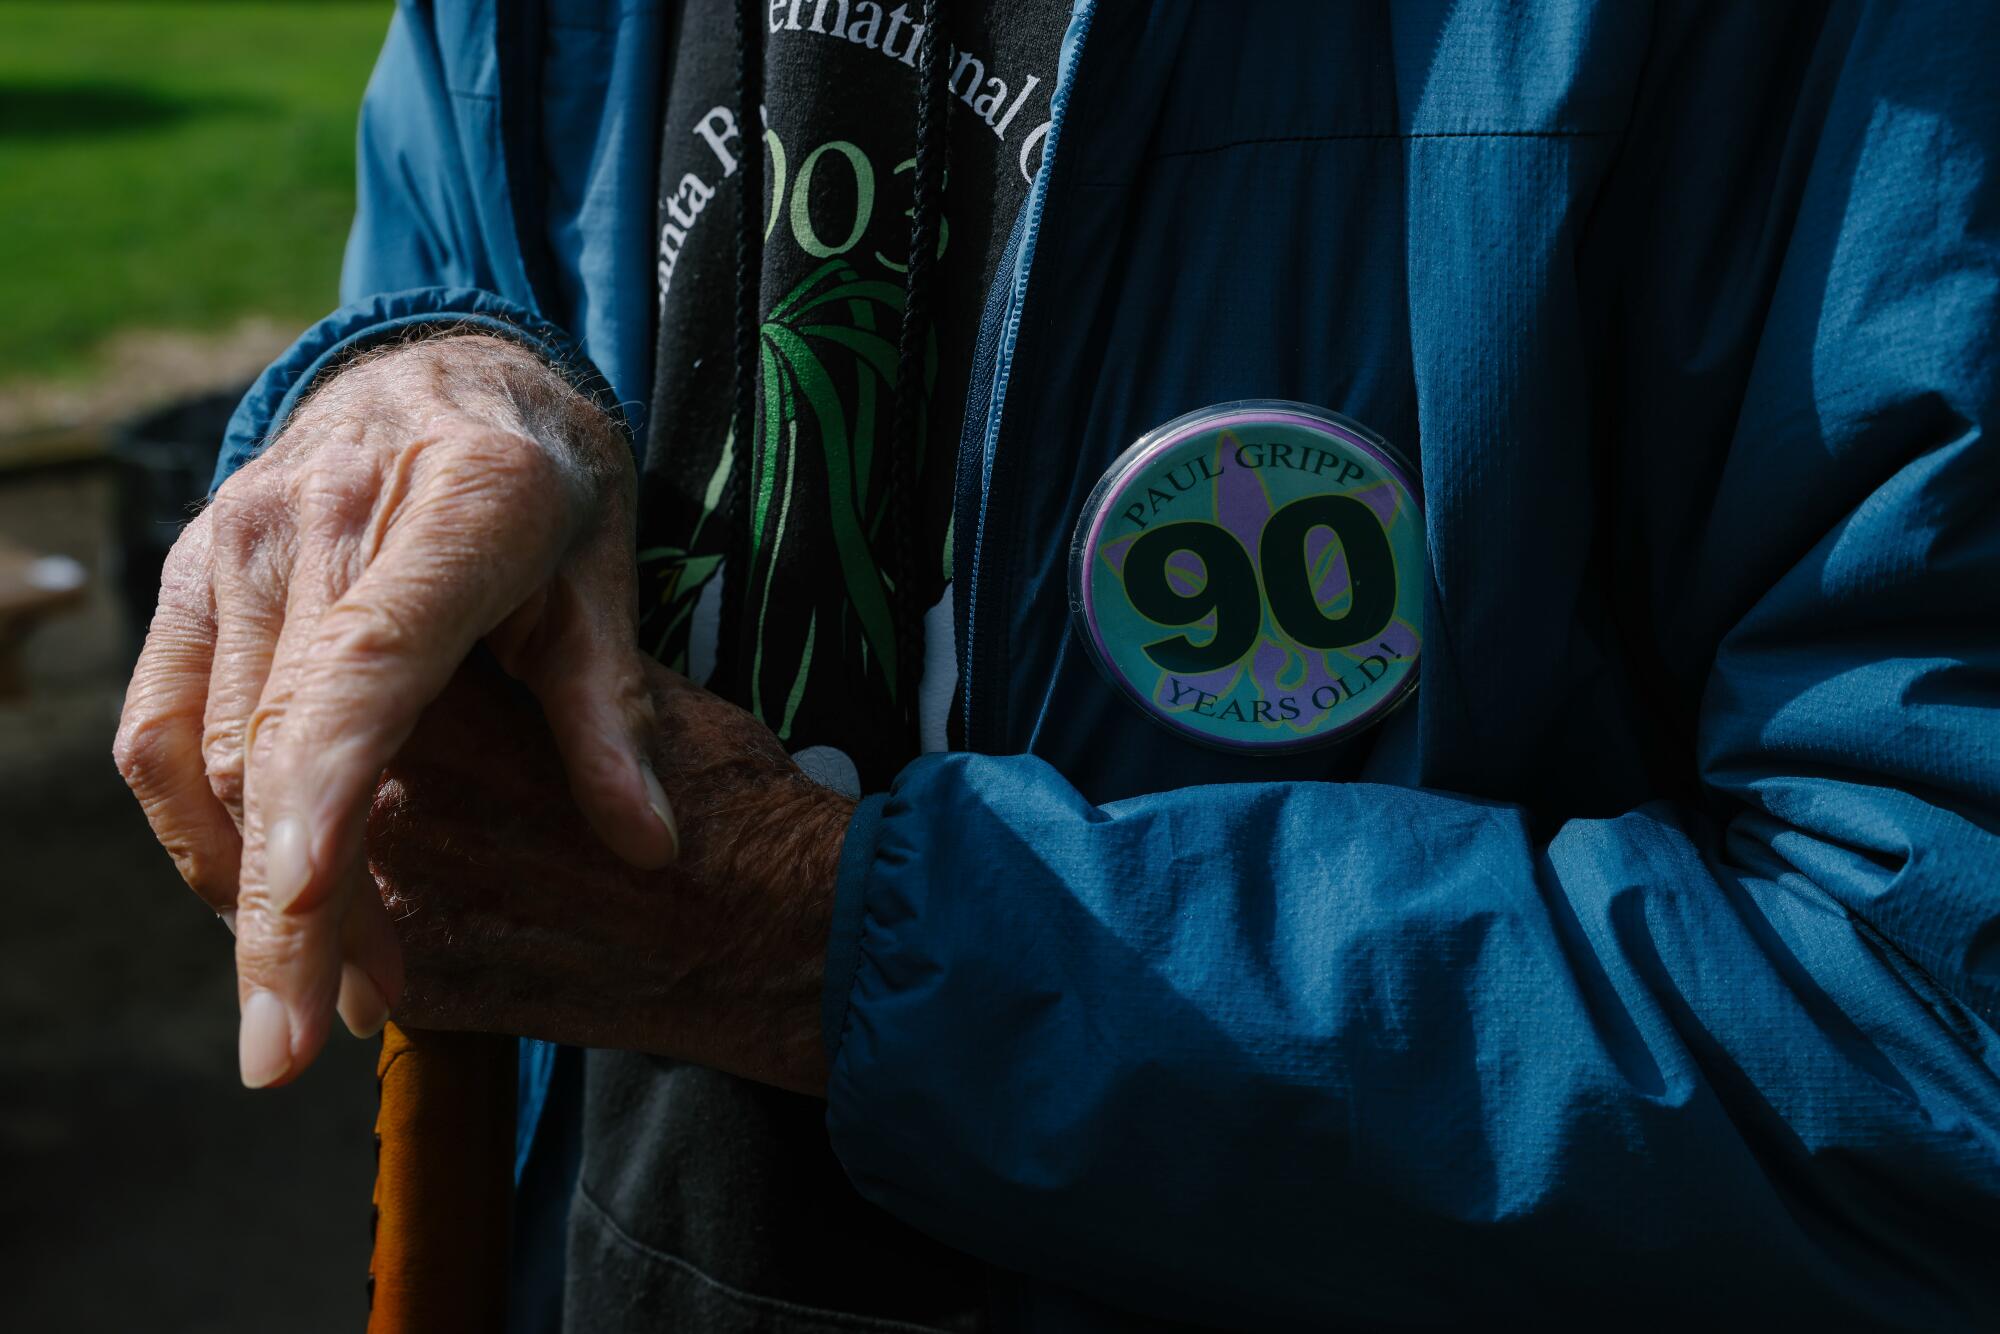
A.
pixel 438 497
pixel 512 918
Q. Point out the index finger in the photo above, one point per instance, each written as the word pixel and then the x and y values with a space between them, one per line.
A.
pixel 484 528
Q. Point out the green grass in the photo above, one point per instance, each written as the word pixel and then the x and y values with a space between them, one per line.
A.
pixel 171 165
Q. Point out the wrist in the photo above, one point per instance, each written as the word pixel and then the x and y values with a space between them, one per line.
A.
pixel 761 849
pixel 782 866
pixel 807 880
pixel 449 382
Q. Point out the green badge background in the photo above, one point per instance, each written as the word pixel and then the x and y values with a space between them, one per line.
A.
pixel 1333 692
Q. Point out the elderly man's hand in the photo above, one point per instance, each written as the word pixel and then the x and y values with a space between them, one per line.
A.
pixel 447 492
pixel 512 920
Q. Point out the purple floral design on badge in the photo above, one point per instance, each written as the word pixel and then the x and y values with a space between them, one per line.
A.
pixel 1278 693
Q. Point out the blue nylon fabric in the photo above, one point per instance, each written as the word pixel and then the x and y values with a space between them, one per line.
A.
pixel 843 951
pixel 433 205
pixel 1651 957
pixel 1652 961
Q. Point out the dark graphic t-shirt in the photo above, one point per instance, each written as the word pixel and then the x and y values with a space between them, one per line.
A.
pixel 708 1202
pixel 806 637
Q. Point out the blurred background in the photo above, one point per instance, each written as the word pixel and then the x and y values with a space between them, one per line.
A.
pixel 175 184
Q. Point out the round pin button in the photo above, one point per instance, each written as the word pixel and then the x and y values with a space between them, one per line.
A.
pixel 1252 576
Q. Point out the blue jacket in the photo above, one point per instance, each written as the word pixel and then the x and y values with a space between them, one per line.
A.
pixel 1650 961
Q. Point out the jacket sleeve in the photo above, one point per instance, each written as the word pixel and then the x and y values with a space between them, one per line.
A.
pixel 433 244
pixel 1318 1053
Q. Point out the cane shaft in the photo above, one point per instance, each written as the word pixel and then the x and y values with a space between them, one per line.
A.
pixel 443 1183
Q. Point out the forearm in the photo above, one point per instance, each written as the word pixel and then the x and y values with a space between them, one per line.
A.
pixel 749 1002
pixel 761 852
pixel 1291 1052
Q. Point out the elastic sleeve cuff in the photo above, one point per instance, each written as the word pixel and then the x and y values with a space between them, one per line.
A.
pixel 850 897
pixel 392 317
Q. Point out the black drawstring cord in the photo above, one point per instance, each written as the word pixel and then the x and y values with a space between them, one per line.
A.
pixel 749 293
pixel 919 284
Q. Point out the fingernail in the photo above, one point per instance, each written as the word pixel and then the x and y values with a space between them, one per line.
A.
pixel 361 1005
pixel 287 868
pixel 264 1042
pixel 656 797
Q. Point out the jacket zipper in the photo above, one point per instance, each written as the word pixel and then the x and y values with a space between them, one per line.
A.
pixel 989 572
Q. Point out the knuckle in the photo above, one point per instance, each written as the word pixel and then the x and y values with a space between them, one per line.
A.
pixel 334 491
pixel 150 748
pixel 222 745
pixel 222 760
pixel 269 943
pixel 148 758
pixel 246 478
pixel 247 485
pixel 507 470
pixel 239 527
pixel 264 726
pixel 205 867
pixel 227 785
pixel 360 631
pixel 190 556
pixel 186 606
pixel 140 749
pixel 536 466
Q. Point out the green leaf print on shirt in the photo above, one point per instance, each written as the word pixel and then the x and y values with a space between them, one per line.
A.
pixel 828 362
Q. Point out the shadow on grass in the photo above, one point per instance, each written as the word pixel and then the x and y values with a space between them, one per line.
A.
pixel 85 108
